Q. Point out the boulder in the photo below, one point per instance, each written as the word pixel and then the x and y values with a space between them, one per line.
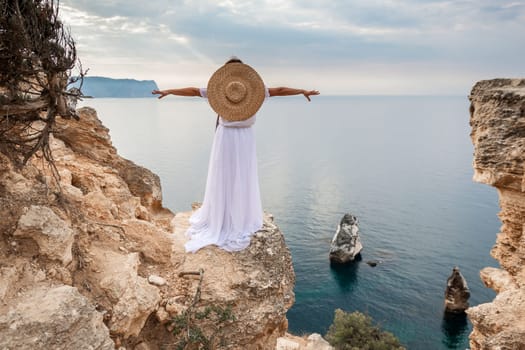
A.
pixel 287 344
pixel 87 136
pixel 316 342
pixel 133 298
pixel 346 244
pixel 456 293
pixel 53 318
pixel 156 280
pixel 146 238
pixel 53 235
pixel 312 342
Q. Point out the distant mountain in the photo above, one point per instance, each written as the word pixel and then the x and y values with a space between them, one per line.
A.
pixel 109 87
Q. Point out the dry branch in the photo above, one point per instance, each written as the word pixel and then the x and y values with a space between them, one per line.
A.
pixel 37 56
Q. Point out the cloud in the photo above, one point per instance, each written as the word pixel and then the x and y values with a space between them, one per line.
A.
pixel 177 40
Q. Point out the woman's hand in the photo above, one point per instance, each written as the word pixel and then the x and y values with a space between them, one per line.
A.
pixel 308 93
pixel 162 93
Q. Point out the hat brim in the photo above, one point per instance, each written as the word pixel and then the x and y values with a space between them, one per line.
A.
pixel 239 73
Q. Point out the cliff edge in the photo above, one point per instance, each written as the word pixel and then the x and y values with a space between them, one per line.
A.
pixel 498 134
pixel 94 261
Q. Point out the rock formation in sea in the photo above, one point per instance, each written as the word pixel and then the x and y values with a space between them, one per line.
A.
pixel 498 134
pixel 93 263
pixel 346 244
pixel 457 292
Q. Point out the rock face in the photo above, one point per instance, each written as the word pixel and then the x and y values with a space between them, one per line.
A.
pixel 346 244
pixel 312 342
pixel 498 134
pixel 53 318
pixel 456 293
pixel 257 282
pixel 53 235
pixel 90 260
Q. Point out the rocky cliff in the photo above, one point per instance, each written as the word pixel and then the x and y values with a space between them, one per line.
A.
pixel 498 134
pixel 109 87
pixel 94 261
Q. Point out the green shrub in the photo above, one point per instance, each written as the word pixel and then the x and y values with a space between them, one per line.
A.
pixel 356 331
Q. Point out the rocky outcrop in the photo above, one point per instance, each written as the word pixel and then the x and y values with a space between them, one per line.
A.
pixel 346 244
pixel 109 87
pixel 53 235
pixel 257 282
pixel 53 318
pixel 498 134
pixel 312 342
pixel 90 259
pixel 456 293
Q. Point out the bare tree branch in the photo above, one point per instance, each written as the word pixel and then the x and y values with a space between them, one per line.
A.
pixel 37 56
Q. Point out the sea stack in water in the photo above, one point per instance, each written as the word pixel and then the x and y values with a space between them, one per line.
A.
pixel 346 244
pixel 457 293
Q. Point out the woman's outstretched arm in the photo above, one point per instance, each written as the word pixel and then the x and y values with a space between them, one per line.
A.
pixel 189 91
pixel 286 91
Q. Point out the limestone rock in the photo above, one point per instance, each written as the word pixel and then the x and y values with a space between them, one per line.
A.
pixel 312 342
pixel 110 210
pixel 287 344
pixel 133 297
pixel 53 318
pixel 316 342
pixel 8 276
pixel 87 137
pixel 142 183
pixel 162 315
pixel 499 324
pixel 174 307
pixel 156 280
pixel 498 134
pixel 256 282
pixel 497 279
pixel 142 346
pixel 147 239
pixel 457 293
pixel 346 244
pixel 53 235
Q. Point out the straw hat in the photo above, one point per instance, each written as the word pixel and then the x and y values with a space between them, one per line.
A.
pixel 236 91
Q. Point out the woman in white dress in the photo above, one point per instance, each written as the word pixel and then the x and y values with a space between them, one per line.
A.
pixel 231 210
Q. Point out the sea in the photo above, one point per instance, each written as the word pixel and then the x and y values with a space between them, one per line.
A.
pixel 401 164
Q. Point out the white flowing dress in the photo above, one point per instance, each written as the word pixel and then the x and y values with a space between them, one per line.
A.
pixel 231 210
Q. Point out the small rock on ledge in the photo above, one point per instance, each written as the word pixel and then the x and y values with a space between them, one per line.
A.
pixel 346 244
pixel 156 280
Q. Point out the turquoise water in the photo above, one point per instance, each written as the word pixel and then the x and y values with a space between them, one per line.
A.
pixel 402 165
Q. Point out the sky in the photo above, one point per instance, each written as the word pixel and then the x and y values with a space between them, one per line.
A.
pixel 352 47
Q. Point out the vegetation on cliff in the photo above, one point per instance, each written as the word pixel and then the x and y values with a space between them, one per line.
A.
pixel 356 331
pixel 37 54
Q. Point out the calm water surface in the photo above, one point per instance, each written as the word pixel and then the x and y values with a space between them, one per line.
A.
pixel 402 165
